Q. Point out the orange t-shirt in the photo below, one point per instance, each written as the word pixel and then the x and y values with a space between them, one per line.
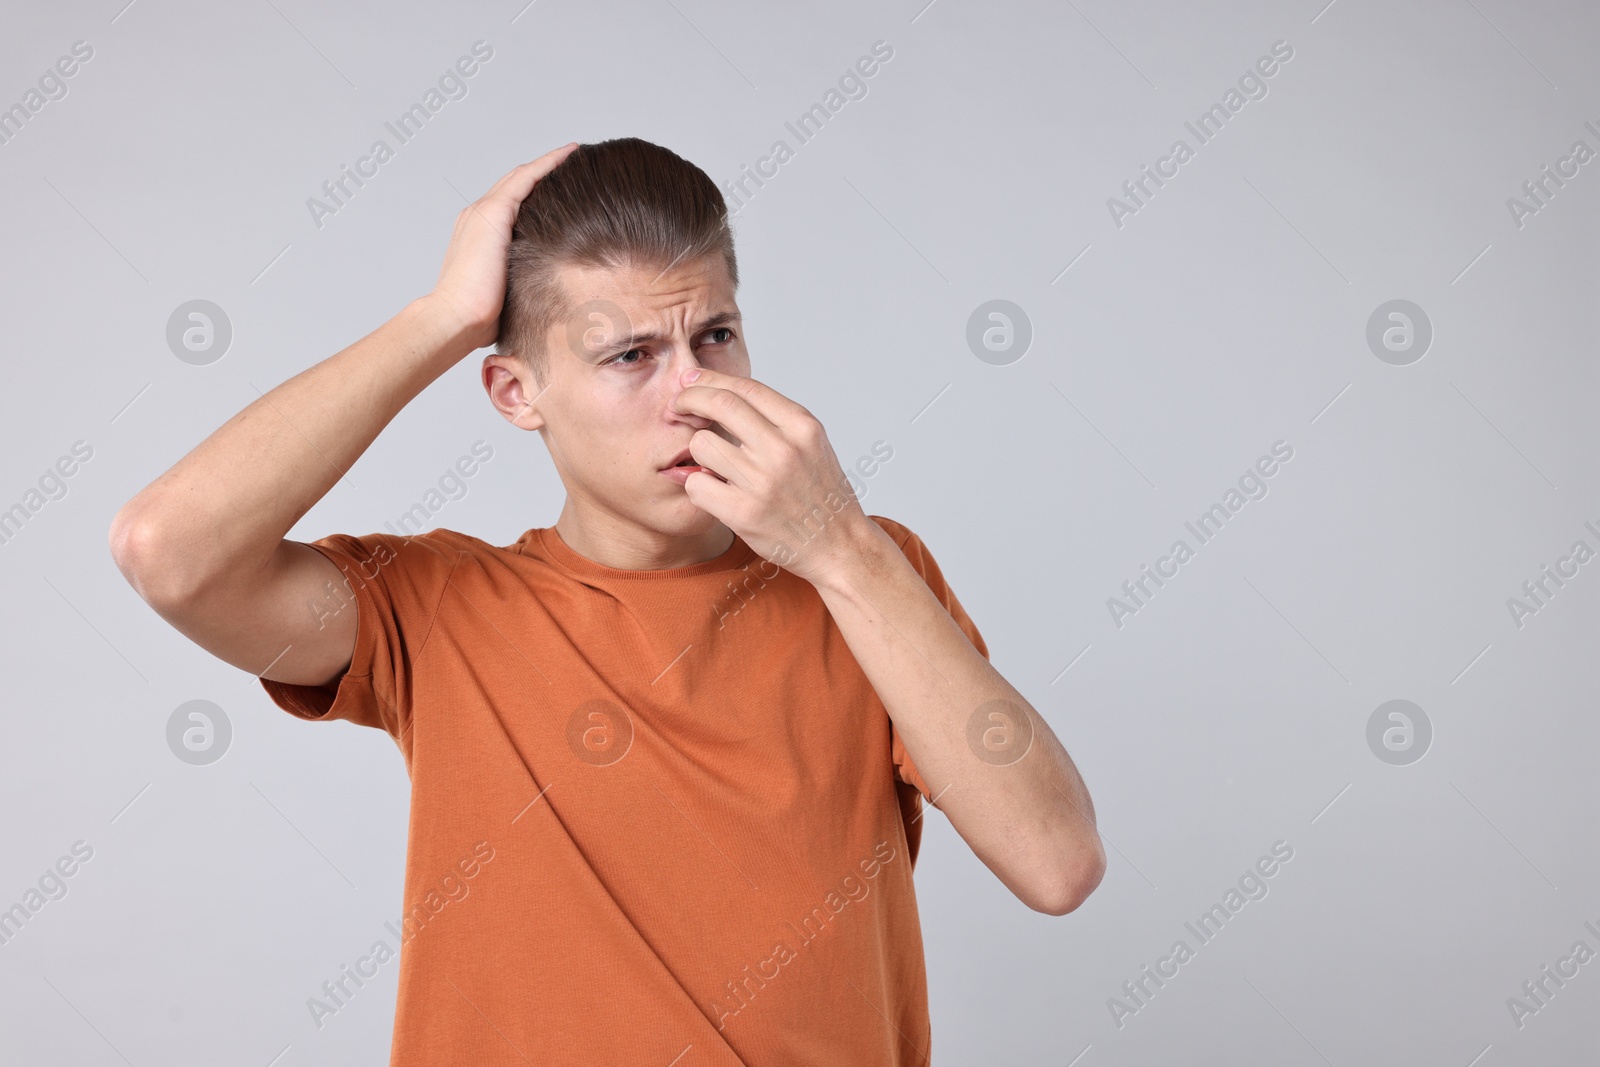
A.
pixel 657 816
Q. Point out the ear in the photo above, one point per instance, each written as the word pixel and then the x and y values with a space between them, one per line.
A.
pixel 512 390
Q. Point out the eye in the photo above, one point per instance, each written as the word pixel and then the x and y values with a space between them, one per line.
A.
pixel 723 329
pixel 623 360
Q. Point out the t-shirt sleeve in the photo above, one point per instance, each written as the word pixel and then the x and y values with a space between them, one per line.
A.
pixel 922 560
pixel 394 584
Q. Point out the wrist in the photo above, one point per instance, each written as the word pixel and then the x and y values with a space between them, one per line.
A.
pixel 864 550
pixel 450 337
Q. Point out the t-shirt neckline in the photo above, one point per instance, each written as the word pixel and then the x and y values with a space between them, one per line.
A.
pixel 735 556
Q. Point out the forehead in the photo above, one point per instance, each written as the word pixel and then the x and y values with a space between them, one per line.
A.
pixel 650 293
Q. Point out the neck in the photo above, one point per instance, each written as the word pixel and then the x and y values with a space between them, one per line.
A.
pixel 611 541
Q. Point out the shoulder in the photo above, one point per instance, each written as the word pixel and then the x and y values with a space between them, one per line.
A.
pixel 385 552
pixel 452 543
pixel 458 549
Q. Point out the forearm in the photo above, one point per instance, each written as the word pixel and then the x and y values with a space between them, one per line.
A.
pixel 226 506
pixel 1030 819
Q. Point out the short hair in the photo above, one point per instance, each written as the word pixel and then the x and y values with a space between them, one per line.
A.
pixel 622 202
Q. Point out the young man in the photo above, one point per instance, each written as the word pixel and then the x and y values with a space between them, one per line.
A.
pixel 668 756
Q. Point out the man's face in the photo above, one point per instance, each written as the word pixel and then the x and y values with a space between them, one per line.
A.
pixel 614 368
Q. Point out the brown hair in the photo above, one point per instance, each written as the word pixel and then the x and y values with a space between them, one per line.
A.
pixel 622 202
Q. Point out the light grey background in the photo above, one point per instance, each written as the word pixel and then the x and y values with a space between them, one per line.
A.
pixel 1168 354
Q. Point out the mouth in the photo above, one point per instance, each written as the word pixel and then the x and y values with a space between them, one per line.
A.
pixel 684 465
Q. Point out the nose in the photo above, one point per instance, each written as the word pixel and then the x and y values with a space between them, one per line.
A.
pixel 682 360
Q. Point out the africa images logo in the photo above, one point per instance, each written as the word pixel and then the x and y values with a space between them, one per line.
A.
pixel 740 991
pixel 452 888
pixel 1252 885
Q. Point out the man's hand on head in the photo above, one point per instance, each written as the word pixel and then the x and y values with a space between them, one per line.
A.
pixel 472 282
pixel 779 486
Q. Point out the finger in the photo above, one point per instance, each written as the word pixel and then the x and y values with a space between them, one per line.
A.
pixel 519 181
pixel 497 208
pixel 712 452
pixel 776 408
pixel 521 178
pixel 711 496
pixel 733 412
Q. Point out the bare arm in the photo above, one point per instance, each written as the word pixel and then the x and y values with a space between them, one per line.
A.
pixel 1019 801
pixel 204 544
pixel 1006 783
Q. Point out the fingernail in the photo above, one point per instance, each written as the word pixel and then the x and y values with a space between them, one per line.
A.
pixel 690 376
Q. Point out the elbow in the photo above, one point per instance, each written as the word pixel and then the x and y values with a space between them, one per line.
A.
pixel 1071 884
pixel 121 540
pixel 136 547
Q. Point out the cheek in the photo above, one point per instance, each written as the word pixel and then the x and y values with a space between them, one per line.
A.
pixel 611 440
pixel 734 359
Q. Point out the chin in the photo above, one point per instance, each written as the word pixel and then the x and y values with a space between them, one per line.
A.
pixel 688 519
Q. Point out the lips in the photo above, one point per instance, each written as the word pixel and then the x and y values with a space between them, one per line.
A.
pixel 683 466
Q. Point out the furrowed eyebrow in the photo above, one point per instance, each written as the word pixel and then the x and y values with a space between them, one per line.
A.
pixel 635 339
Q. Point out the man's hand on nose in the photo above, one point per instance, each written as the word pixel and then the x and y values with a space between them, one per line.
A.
pixel 784 491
